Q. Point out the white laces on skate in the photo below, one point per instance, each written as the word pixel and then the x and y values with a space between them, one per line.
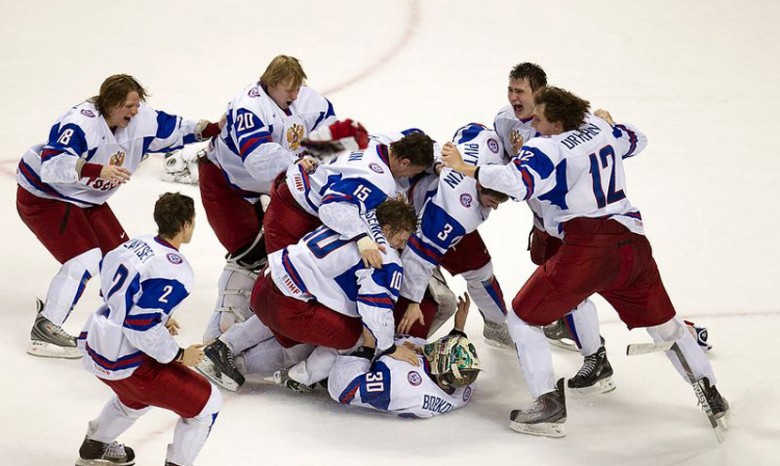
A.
pixel 588 366
pixel 115 450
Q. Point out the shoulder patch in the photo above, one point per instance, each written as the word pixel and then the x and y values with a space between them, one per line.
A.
pixel 492 145
pixel 466 200
pixel 254 92
pixel 467 393
pixel 376 167
pixel 414 378
pixel 174 258
pixel 88 113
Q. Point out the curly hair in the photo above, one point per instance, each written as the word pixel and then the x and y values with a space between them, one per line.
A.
pixel 561 105
pixel 397 215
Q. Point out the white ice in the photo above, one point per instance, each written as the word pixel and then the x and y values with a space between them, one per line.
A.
pixel 701 78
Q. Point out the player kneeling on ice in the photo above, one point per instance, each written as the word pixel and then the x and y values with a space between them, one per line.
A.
pixel 437 379
pixel 128 343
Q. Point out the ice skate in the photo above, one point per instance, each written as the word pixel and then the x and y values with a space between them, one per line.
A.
pixel 95 453
pixel 718 404
pixel 559 334
pixel 219 366
pixel 544 417
pixel 282 377
pixel 595 375
pixel 497 334
pixel 49 340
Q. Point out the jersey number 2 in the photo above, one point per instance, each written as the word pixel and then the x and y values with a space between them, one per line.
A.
pixel 605 154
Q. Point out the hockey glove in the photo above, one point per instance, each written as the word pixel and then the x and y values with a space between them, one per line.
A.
pixel 341 135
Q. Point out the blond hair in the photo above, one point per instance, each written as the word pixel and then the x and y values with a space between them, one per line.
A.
pixel 281 69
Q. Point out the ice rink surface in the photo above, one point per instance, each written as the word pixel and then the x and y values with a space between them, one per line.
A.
pixel 696 76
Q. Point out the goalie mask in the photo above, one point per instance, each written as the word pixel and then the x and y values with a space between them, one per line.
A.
pixel 453 361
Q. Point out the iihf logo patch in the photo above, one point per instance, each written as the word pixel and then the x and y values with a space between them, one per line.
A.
pixel 174 258
pixel 87 112
pixel 414 378
pixel 254 92
pixel 375 167
pixel 467 393
pixel 466 200
pixel 492 145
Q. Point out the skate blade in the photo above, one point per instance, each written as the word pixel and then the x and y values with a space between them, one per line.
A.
pixel 600 387
pixel 567 345
pixel 83 462
pixel 208 369
pixel 499 345
pixel 42 349
pixel 542 429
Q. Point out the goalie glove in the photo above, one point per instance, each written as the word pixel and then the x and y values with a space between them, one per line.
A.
pixel 341 135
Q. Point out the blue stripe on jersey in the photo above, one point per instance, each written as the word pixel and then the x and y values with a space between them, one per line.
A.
pixel 161 293
pixel 291 272
pixel 357 191
pixel 439 227
pixel 376 392
pixel 557 196
pixel 125 362
pixel 632 139
pixel 409 131
pixel 382 301
pixel 469 132
pixel 384 277
pixel 324 115
pixel 423 250
pixel 70 136
pixel 246 127
pixel 166 125
pixel 347 283
pixel 142 322
pixel 348 394
pixel 536 160
pixel 145 143
pixel 29 174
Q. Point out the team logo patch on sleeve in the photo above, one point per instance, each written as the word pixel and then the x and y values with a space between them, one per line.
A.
pixel 254 92
pixel 492 145
pixel 88 113
pixel 376 168
pixel 466 200
pixel 467 393
pixel 414 378
pixel 174 258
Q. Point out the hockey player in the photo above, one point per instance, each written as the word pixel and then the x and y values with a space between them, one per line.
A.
pixel 440 382
pixel 64 184
pixel 451 208
pixel 265 124
pixel 320 291
pixel 576 169
pixel 129 344
pixel 339 193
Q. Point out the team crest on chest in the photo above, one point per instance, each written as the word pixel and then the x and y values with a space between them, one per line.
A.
pixel 517 141
pixel 294 136
pixel 414 378
pixel 466 200
pixel 118 158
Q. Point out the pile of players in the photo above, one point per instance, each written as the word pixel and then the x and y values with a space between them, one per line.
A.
pixel 335 240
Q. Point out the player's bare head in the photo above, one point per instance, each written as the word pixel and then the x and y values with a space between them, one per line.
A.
pixel 410 155
pixel 114 92
pixel 453 361
pixel 397 218
pixel 562 106
pixel 172 213
pixel 490 197
pixel 534 73
pixel 284 69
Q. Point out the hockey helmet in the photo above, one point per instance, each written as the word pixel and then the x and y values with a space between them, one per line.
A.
pixel 453 360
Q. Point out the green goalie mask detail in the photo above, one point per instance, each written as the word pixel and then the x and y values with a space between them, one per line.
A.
pixel 453 360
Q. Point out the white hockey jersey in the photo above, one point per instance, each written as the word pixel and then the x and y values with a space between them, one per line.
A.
pixel 342 191
pixel 260 140
pixel 329 269
pixel 450 211
pixel 578 173
pixel 393 386
pixel 514 133
pixel 142 282
pixel 49 170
